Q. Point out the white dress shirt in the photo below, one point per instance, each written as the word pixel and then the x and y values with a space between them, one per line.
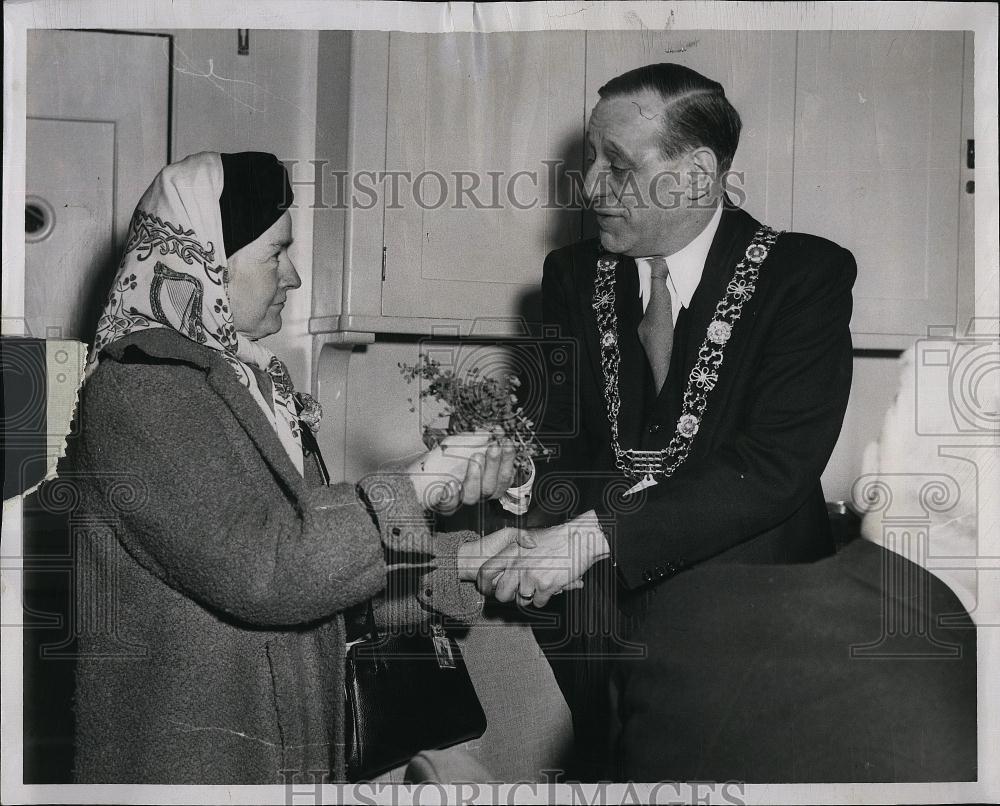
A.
pixel 685 266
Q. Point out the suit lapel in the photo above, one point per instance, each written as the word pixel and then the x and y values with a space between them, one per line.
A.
pixel 735 231
pixel 672 394
pixel 633 369
pixel 633 373
pixel 590 331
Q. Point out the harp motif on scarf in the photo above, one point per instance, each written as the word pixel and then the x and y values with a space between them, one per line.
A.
pixel 184 295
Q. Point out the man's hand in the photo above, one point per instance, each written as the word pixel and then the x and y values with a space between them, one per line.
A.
pixel 473 553
pixel 463 469
pixel 558 559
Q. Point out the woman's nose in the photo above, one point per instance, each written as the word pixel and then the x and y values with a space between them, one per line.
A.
pixel 291 276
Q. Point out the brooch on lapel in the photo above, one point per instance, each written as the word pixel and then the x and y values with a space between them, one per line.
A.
pixel 310 411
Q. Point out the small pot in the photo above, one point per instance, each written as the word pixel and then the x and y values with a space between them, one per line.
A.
pixel 517 499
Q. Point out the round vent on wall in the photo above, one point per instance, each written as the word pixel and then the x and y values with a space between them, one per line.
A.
pixel 39 219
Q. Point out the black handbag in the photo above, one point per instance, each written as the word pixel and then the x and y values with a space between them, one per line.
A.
pixel 405 691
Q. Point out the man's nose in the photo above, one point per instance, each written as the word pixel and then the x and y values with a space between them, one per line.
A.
pixel 590 182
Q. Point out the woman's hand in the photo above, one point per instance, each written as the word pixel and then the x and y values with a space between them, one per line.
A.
pixel 463 469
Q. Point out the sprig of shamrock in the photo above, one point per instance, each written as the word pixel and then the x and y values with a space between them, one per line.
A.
pixel 476 401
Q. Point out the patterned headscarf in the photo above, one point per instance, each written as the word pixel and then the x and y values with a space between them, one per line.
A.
pixel 173 275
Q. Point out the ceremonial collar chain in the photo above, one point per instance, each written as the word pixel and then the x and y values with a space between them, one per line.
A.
pixel 704 375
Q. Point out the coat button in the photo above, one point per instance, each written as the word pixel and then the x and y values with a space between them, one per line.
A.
pixel 654 428
pixel 647 576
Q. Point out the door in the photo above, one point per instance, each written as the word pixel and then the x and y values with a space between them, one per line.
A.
pixel 97 133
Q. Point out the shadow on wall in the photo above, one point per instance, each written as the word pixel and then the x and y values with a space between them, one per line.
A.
pixel 52 311
pixel 96 293
pixel 570 223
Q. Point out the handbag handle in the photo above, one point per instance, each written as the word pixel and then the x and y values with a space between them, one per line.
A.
pixel 309 443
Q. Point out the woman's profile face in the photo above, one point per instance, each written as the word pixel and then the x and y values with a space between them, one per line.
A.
pixel 260 275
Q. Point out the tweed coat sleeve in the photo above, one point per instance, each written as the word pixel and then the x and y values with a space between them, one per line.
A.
pixel 407 530
pixel 208 517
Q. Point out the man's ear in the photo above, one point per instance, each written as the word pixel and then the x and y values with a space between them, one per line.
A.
pixel 702 173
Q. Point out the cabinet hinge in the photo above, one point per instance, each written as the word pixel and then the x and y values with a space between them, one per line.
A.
pixel 383 264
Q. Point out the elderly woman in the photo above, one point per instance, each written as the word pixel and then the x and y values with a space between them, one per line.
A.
pixel 224 560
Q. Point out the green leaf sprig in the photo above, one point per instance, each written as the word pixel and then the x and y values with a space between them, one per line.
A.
pixel 474 402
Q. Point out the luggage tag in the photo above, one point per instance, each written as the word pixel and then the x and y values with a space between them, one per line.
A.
pixel 442 647
pixel 646 481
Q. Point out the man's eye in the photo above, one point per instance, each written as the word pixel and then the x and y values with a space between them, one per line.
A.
pixel 618 169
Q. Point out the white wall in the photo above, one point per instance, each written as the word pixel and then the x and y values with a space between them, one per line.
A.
pixel 380 426
pixel 264 101
pixel 876 379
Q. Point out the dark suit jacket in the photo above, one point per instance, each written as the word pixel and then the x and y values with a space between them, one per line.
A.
pixel 749 490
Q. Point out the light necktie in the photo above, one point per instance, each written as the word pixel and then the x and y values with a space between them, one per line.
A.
pixel 656 330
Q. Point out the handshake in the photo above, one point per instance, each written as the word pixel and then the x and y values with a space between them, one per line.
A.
pixel 529 565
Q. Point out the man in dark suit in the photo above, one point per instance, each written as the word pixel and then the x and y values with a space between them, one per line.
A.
pixel 714 367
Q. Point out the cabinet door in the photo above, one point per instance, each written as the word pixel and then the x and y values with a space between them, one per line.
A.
pixel 878 150
pixel 484 105
pixel 757 71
